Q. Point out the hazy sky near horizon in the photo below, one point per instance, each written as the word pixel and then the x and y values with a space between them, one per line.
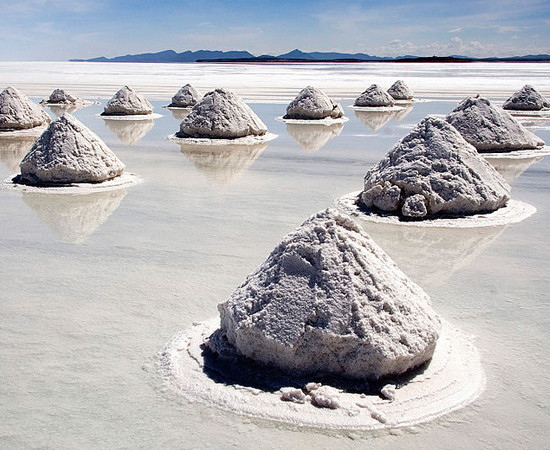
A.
pixel 63 29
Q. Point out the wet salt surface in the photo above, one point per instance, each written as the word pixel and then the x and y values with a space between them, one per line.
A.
pixel 84 310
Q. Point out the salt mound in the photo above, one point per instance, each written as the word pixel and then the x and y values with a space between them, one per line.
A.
pixel 127 102
pixel 400 91
pixel 221 114
pixel 313 104
pixel 59 96
pixel 68 152
pixel 489 129
pixel 433 171
pixel 374 96
pixel 186 97
pixel 526 99
pixel 329 300
pixel 18 112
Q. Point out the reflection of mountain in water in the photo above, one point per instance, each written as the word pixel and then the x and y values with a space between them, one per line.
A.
pixel 13 149
pixel 180 113
pixel 222 164
pixel 511 168
pixel 129 131
pixel 375 120
pixel 429 255
pixel 74 217
pixel 312 137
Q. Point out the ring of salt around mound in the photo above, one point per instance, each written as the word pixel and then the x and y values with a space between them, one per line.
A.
pixel 245 140
pixel 378 108
pixel 78 103
pixel 131 117
pixel 527 113
pixel 515 211
pixel 453 379
pixel 177 108
pixel 325 121
pixel 124 180
pixel 518 154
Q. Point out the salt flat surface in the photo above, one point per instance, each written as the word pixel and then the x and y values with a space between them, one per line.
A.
pixel 93 287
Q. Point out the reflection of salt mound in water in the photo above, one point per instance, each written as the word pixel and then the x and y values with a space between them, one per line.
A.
pixel 375 120
pixel 13 149
pixel 130 131
pixel 312 137
pixel 74 217
pixel 180 113
pixel 64 109
pixel 402 113
pixel 222 164
pixel 511 168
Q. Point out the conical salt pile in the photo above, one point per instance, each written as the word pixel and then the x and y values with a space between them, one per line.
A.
pixel 127 102
pixel 526 99
pixel 18 112
pixel 400 91
pixel 59 96
pixel 313 104
pixel 186 97
pixel 374 96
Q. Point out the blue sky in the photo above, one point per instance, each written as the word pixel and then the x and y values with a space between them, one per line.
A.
pixel 62 29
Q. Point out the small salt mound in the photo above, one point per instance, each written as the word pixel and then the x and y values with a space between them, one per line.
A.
pixel 489 129
pixel 313 104
pixel 127 102
pixel 400 91
pixel 68 152
pixel 329 300
pixel 186 97
pixel 374 96
pixel 59 96
pixel 18 112
pixel 433 171
pixel 221 114
pixel 526 99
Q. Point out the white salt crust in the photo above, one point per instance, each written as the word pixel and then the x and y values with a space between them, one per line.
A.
pixel 178 108
pixel 519 113
pixel 518 154
pixel 515 211
pixel 246 140
pixel 379 108
pixel 325 121
pixel 124 180
pixel 453 379
pixel 32 132
pixel 131 117
pixel 78 104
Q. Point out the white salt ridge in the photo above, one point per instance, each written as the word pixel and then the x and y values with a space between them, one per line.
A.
pixel 18 112
pixel 186 97
pixel 400 91
pixel 221 114
pixel 69 152
pixel 127 102
pixel 526 99
pixel 489 129
pixel 374 96
pixel 329 300
pixel 313 104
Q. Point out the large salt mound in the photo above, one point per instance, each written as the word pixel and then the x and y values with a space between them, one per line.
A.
pixel 374 96
pixel 526 99
pixel 68 152
pixel 489 129
pixel 313 104
pixel 328 300
pixel 431 172
pixel 18 112
pixel 127 102
pixel 186 97
pixel 400 91
pixel 221 114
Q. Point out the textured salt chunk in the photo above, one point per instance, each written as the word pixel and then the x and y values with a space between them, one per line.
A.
pixel 59 96
pixel 374 96
pixel 127 102
pixel 329 300
pixel 434 171
pixel 526 99
pixel 68 152
pixel 221 114
pixel 313 104
pixel 18 112
pixel 289 394
pixel 186 97
pixel 490 129
pixel 400 91
pixel 325 397
pixel 388 392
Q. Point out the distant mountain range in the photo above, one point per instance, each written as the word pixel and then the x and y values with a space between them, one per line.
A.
pixel 170 56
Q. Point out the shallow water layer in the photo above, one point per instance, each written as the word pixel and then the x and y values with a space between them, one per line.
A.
pixel 92 288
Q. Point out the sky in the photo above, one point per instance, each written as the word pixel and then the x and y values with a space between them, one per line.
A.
pixel 58 30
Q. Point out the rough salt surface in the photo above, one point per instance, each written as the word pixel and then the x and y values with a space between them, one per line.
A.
pixel 313 104
pixel 400 91
pixel 127 102
pixel 374 96
pixel 329 300
pixel 489 129
pixel 18 112
pixel 68 152
pixel 221 114
pixel 186 97
pixel 433 171
pixel 526 99
pixel 59 96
